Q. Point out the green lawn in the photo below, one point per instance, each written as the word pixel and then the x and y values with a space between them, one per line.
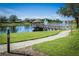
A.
pixel 67 46
pixel 24 36
pixel 15 24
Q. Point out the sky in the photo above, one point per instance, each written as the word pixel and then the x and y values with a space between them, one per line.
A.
pixel 32 10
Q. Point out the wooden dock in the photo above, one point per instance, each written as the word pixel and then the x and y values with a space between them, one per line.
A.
pixel 51 26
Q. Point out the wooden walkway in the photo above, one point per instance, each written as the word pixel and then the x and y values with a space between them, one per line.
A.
pixel 51 26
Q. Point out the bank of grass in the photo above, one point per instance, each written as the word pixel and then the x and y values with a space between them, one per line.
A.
pixel 15 24
pixel 67 46
pixel 25 36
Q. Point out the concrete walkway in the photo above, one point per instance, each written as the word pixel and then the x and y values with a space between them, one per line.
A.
pixel 18 45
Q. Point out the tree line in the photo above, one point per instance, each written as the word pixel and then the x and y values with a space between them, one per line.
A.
pixel 12 18
pixel 42 20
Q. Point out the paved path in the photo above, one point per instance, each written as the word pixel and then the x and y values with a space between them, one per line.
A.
pixel 32 42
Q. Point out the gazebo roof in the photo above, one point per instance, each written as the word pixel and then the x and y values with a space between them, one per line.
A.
pixel 37 21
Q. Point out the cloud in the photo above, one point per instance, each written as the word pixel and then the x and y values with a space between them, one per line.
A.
pixel 7 12
pixel 21 14
pixel 57 16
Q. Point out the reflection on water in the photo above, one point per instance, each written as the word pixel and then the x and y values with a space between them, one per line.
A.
pixel 24 28
pixel 3 29
pixel 15 29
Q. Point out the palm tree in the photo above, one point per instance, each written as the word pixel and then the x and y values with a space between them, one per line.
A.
pixel 71 9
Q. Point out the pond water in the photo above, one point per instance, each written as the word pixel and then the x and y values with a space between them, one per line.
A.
pixel 15 29
pixel 28 28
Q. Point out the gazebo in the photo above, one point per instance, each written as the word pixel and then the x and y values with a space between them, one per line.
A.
pixel 37 21
pixel 37 25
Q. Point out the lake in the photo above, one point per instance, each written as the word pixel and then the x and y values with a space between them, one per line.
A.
pixel 29 28
pixel 16 29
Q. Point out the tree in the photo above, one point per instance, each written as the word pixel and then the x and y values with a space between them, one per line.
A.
pixel 58 21
pixel 71 9
pixel 26 20
pixel 3 19
pixel 13 18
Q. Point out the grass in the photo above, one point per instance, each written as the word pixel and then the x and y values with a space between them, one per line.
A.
pixel 67 46
pixel 25 36
pixel 14 24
